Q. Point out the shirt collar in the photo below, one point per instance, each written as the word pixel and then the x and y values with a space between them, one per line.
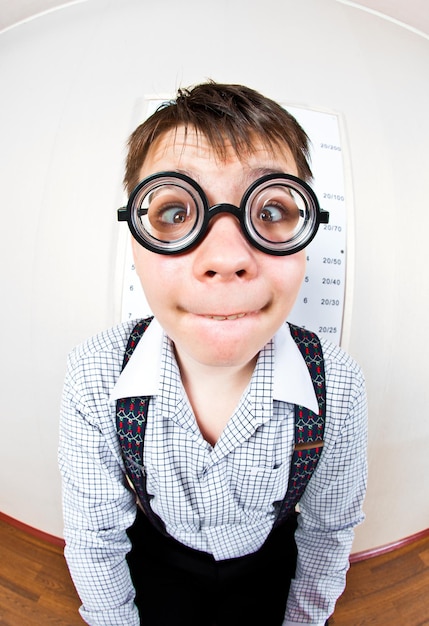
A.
pixel 140 377
pixel 291 379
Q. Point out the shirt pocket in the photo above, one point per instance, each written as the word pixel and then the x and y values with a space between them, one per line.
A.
pixel 258 488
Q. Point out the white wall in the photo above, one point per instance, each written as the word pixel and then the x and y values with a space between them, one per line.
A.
pixel 72 83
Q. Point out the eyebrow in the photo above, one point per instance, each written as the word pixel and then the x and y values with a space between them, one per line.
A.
pixel 263 171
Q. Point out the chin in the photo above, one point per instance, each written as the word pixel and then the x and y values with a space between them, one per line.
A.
pixel 225 358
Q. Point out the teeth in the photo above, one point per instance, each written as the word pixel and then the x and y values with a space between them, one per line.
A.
pixel 221 318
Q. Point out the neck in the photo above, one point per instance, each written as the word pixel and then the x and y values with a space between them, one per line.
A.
pixel 226 378
pixel 213 392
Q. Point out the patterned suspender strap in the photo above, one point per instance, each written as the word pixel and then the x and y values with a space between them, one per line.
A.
pixel 131 416
pixel 309 427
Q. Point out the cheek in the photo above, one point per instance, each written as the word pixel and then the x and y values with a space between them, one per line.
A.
pixel 300 261
pixel 290 274
pixel 145 263
pixel 157 274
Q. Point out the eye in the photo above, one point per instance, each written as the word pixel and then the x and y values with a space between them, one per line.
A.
pixel 171 215
pixel 168 211
pixel 277 212
pixel 272 213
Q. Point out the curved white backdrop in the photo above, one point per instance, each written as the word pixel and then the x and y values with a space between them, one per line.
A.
pixel 72 87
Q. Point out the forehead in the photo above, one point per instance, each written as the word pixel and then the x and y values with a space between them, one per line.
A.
pixel 190 150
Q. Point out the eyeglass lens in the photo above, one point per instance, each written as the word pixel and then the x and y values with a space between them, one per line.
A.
pixel 169 212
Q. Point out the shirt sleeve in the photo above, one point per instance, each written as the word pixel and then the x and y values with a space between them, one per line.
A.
pixel 332 504
pixel 97 506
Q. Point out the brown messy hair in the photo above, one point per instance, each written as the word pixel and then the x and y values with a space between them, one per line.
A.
pixel 222 114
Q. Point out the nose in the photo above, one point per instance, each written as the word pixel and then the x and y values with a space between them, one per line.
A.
pixel 224 253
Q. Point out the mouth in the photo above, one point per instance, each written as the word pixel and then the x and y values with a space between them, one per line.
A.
pixel 221 318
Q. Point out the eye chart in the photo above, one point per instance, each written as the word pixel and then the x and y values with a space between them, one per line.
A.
pixel 320 302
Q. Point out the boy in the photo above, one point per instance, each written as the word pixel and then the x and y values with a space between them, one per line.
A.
pixel 220 215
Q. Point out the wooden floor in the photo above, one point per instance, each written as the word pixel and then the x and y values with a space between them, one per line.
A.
pixel 36 590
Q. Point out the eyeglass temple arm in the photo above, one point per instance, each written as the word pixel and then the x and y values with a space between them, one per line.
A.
pixel 123 214
pixel 323 216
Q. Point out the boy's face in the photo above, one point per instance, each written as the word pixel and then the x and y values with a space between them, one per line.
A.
pixel 223 300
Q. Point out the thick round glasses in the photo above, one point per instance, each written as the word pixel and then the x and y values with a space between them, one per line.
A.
pixel 169 213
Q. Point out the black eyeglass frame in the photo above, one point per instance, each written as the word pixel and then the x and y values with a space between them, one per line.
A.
pixel 317 216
